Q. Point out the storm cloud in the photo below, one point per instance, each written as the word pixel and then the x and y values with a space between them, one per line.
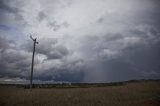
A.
pixel 80 41
pixel 14 62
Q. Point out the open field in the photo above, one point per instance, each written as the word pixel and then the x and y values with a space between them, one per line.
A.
pixel 129 94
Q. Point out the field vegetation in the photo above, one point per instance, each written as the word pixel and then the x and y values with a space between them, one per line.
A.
pixel 132 93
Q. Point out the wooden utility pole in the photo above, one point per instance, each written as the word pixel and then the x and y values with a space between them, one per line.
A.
pixel 34 44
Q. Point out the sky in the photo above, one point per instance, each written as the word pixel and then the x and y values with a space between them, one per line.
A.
pixel 93 41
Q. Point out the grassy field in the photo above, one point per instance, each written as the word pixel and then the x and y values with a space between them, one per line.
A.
pixel 130 94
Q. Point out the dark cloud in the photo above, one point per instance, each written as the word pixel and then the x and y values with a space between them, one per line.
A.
pixel 109 57
pixel 57 27
pixel 100 20
pixel 41 16
pixel 135 63
pixel 4 44
pixel 5 7
pixel 49 47
pixel 62 74
pixel 14 62
pixel 122 56
pixel 17 62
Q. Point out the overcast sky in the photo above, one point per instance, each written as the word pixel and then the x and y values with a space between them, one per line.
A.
pixel 80 40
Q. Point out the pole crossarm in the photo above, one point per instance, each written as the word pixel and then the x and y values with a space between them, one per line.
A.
pixel 34 39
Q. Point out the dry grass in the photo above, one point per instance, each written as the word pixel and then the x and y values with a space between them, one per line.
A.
pixel 132 94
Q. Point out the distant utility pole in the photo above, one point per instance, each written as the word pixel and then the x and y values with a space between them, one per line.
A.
pixel 34 44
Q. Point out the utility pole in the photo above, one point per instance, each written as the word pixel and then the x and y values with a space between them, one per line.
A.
pixel 34 44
